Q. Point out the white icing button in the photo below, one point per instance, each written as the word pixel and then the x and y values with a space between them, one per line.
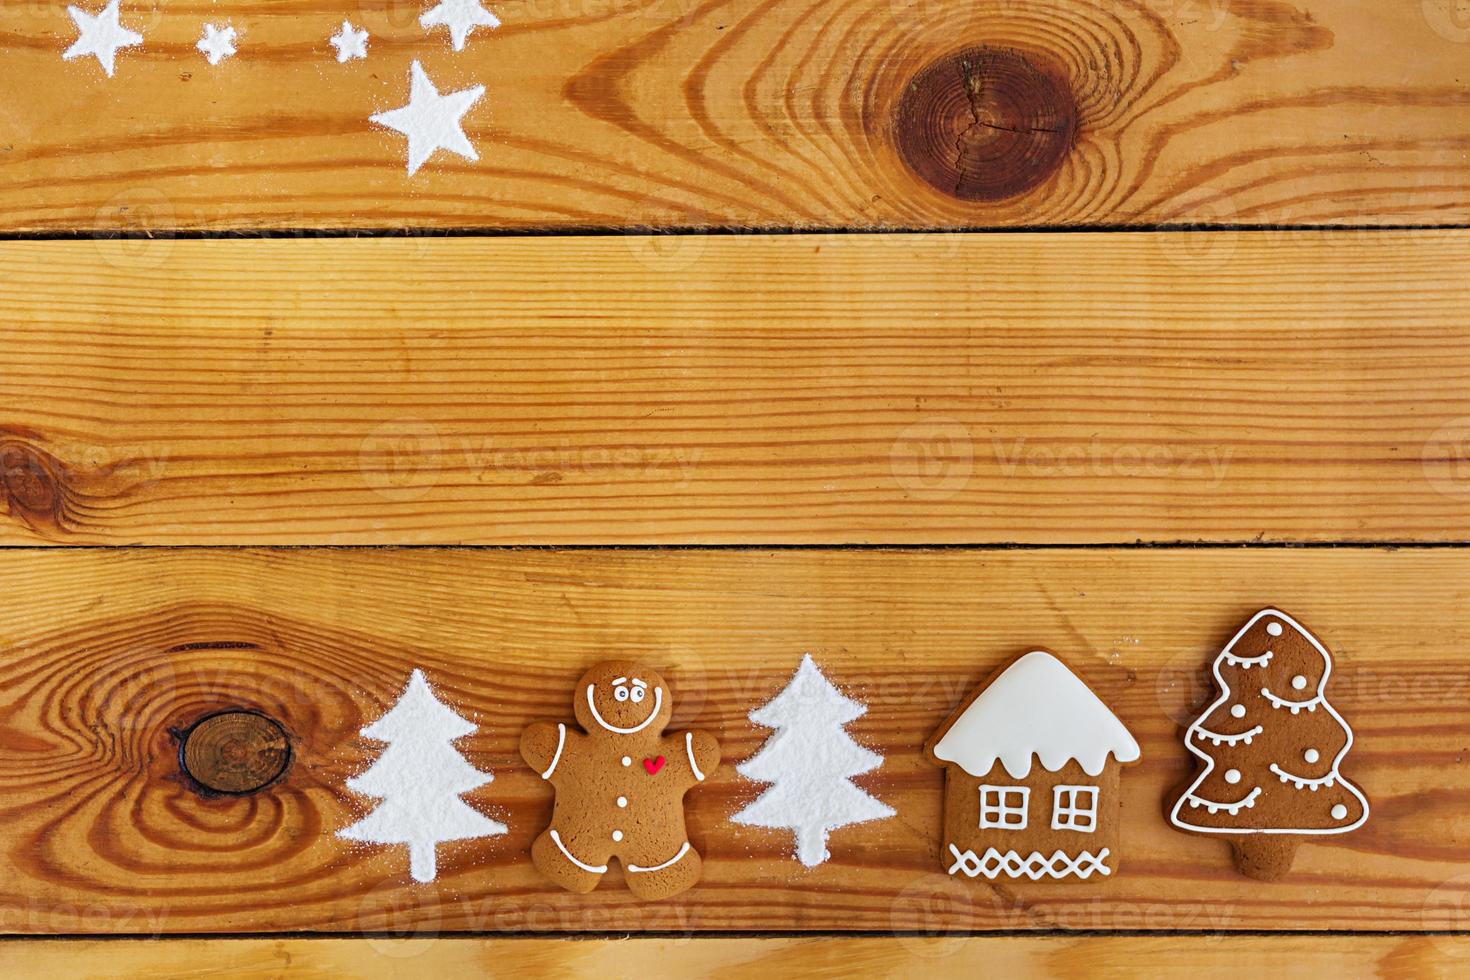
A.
pixel 1298 682
pixel 1311 755
pixel 1232 776
pixel 1338 812
pixel 627 760
pixel 1273 628
pixel 617 835
pixel 623 800
pixel 1238 711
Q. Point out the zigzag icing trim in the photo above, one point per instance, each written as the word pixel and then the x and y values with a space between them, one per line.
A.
pixel 1302 782
pixel 1196 802
pixel 1228 739
pixel 1296 706
pixel 1249 662
pixel 1034 866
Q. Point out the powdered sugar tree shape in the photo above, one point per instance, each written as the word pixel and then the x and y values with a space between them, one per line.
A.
pixel 1270 746
pixel 419 778
pixel 809 762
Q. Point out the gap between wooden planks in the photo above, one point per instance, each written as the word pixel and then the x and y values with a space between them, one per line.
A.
pixel 746 114
pixel 1037 388
pixel 1209 958
pixel 107 651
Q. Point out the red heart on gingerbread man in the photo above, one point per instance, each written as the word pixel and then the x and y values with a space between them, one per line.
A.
pixel 653 765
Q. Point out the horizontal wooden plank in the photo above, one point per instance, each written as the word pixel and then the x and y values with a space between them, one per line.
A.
pixel 111 651
pixel 750 114
pixel 893 389
pixel 349 959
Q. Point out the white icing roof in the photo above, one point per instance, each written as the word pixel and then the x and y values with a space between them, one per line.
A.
pixel 1036 707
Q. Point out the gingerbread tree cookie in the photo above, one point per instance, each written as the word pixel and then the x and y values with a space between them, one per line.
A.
pixel 620 784
pixel 1269 747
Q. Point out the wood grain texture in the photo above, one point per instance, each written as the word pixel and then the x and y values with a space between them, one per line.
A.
pixel 108 653
pixel 1062 388
pixel 743 113
pixel 1213 958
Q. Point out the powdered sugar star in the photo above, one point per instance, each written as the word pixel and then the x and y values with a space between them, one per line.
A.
pixel 461 17
pixel 217 43
pixel 100 35
pixel 431 121
pixel 350 42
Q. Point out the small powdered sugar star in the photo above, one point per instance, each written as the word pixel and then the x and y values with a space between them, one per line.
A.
pixel 461 17
pixel 350 42
pixel 100 35
pixel 217 43
pixel 431 121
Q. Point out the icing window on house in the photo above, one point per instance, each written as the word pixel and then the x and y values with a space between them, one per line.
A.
pixel 1004 806
pixel 1074 808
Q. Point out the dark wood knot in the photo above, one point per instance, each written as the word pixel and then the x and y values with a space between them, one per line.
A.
pixel 235 752
pixel 984 123
pixel 33 483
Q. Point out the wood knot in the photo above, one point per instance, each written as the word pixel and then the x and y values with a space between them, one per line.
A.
pixel 33 483
pixel 235 752
pixel 983 124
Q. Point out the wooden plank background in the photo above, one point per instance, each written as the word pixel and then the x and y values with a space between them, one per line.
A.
pixel 1210 958
pixel 107 650
pixel 739 113
pixel 1104 388
pixel 1104 394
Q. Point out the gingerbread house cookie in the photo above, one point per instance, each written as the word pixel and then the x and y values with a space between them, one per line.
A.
pixel 1007 815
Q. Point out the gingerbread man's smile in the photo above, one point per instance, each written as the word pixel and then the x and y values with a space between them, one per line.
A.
pixel 622 693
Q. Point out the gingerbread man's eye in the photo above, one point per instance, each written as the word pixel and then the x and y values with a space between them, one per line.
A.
pixel 638 695
pixel 620 692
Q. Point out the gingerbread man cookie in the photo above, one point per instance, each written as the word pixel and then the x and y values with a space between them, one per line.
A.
pixel 619 784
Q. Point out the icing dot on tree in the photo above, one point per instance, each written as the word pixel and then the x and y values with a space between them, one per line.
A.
pixel 1232 776
pixel 1339 811
pixel 1238 711
pixel 1273 628
pixel 1299 682
pixel 1311 755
